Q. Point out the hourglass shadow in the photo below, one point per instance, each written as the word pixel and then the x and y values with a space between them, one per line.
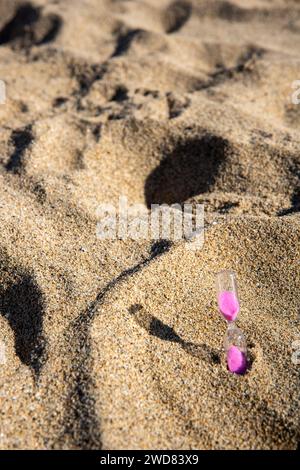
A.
pixel 156 327
pixel 190 169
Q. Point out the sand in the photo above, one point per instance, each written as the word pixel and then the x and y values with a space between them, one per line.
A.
pixel 117 344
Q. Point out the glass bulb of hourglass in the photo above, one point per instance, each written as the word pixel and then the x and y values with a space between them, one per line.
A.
pixel 236 350
pixel 227 295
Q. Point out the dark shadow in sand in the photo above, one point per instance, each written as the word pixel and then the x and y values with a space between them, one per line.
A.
pixel 156 327
pixel 55 25
pixel 22 27
pixel 242 66
pixel 295 205
pixel 177 15
pixel 25 16
pixel 21 140
pixel 124 41
pixel 190 169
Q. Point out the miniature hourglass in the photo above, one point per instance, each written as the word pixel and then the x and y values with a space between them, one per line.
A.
pixel 229 306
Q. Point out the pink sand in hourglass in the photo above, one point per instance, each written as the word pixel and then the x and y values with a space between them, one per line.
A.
pixel 236 360
pixel 228 305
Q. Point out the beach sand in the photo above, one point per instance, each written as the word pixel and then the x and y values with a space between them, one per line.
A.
pixel 117 344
